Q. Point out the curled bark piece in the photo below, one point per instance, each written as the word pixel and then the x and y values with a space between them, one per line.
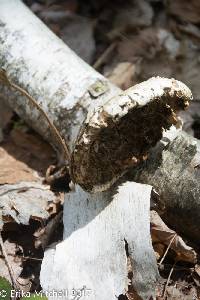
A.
pixel 25 201
pixel 105 137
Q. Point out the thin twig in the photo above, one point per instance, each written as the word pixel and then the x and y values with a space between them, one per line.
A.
pixel 168 247
pixel 177 268
pixel 10 270
pixel 6 80
pixel 24 284
pixel 31 258
pixel 24 257
pixel 167 283
pixel 104 56
pixel 24 188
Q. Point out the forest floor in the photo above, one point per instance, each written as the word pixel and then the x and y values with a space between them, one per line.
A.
pixel 128 42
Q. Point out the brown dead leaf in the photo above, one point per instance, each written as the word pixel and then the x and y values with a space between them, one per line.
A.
pixel 197 269
pixel 36 150
pixel 130 15
pixel 162 234
pixel 24 157
pixel 159 249
pixel 12 170
pixel 123 75
pixel 190 29
pixel 164 50
pixel 164 55
pixel 144 44
pixel 155 49
pixel 187 11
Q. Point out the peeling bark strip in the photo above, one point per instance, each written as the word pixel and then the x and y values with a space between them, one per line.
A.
pixel 93 252
pixel 106 135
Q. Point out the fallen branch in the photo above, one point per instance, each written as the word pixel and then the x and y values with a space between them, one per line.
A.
pixel 67 89
pixel 106 135
pixel 173 170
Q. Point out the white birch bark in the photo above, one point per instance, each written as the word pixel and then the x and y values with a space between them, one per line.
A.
pixel 93 253
pixel 173 169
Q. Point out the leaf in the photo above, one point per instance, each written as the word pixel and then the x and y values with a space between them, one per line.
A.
pixel 22 155
pixel 5 288
pixel 123 74
pixel 162 234
pixel 187 11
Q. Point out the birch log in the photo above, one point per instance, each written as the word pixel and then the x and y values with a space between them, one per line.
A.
pixel 66 88
pixel 106 134
pixel 173 169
